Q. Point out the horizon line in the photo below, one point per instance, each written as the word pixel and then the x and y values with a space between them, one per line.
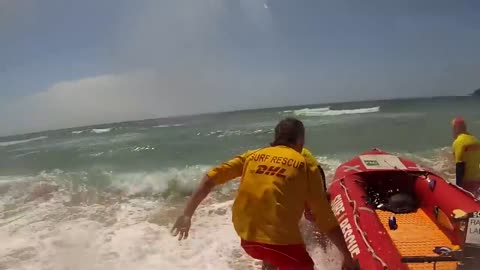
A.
pixel 230 111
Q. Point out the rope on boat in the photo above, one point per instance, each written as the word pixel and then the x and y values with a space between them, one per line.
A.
pixel 359 229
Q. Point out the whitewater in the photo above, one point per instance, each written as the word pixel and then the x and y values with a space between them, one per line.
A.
pixel 105 197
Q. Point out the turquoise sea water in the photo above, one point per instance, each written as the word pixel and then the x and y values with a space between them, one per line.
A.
pixel 103 197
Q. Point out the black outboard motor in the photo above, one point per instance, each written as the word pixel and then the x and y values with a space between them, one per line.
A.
pixel 400 203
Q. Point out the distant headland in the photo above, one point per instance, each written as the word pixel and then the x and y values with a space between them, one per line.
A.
pixel 476 93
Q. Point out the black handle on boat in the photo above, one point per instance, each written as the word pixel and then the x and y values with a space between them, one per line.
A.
pixel 428 259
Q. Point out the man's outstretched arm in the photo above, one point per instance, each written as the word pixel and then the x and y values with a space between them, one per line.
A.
pixel 219 175
pixel 202 191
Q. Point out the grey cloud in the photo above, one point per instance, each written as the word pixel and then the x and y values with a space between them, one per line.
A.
pixel 130 96
pixel 171 56
pixel 190 56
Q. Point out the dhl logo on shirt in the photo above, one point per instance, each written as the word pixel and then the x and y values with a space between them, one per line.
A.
pixel 272 170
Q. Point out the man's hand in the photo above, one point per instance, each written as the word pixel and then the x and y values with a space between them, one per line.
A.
pixel 181 227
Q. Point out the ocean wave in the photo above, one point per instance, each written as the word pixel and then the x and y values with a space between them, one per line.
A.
pixel 105 220
pixel 47 229
pixel 83 228
pixel 162 183
pixel 168 125
pixel 22 141
pixel 327 112
pixel 143 148
pixel 169 182
pixel 25 154
pixel 166 183
pixel 236 132
pixel 101 130
pixel 309 111
pixel 439 160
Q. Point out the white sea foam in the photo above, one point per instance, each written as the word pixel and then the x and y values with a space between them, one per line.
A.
pixel 122 236
pixel 101 130
pixel 47 224
pixel 170 125
pixel 327 112
pixel 158 182
pixel 237 132
pixel 309 111
pixel 22 141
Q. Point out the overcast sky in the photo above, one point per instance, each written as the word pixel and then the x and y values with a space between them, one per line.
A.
pixel 70 63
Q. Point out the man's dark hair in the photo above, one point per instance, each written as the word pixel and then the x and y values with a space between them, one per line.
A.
pixel 288 131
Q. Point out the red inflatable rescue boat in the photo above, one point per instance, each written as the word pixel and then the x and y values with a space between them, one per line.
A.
pixel 397 215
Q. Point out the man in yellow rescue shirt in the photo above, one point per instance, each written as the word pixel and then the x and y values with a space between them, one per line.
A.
pixel 275 184
pixel 466 150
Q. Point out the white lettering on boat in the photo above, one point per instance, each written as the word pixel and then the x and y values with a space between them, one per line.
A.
pixel 473 231
pixel 337 205
pixel 338 209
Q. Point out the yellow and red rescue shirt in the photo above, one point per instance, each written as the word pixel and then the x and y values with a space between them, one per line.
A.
pixel 275 184
pixel 466 148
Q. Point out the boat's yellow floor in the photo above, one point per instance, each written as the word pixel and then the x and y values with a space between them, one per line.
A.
pixel 417 235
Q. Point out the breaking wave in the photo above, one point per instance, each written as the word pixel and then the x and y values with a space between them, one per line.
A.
pixel 101 130
pixel 236 132
pixel 328 112
pixel 95 130
pixel 102 220
pixel 22 141
pixel 165 126
pixel 310 112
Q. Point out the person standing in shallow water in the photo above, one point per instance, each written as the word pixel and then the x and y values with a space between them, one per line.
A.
pixel 276 183
pixel 466 151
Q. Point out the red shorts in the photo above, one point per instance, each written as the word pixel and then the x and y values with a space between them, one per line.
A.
pixel 284 257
